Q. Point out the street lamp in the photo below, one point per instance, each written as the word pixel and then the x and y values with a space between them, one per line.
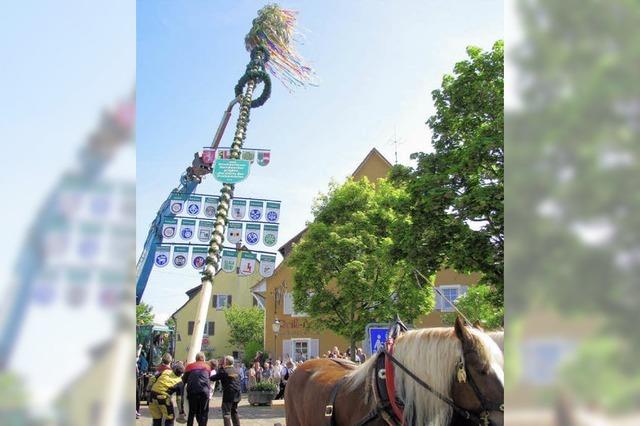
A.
pixel 276 329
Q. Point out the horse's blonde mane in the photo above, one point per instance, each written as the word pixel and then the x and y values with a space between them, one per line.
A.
pixel 498 337
pixel 432 354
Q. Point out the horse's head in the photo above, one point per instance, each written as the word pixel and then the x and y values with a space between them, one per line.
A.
pixel 479 384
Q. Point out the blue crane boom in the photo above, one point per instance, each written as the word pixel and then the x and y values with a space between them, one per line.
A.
pixel 188 183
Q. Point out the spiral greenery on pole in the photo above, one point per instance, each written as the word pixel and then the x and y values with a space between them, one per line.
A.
pixel 270 43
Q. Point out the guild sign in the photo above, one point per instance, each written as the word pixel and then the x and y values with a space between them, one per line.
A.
pixel 187 233
pixel 210 211
pixel 272 216
pixel 169 232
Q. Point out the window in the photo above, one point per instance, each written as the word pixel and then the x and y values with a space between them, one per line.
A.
pixel 300 350
pixel 289 308
pixel 221 301
pixel 451 293
pixel 210 328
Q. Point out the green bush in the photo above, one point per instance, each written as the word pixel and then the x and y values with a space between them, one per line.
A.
pixel 250 351
pixel 265 386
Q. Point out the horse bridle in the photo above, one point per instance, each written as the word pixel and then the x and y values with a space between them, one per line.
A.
pixel 486 406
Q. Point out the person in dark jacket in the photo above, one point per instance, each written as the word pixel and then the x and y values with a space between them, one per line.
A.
pixel 196 377
pixel 229 377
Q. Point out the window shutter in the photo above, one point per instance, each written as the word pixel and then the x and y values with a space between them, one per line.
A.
pixel 190 327
pixel 314 345
pixel 215 301
pixel 287 304
pixel 228 301
pixel 286 350
pixel 212 328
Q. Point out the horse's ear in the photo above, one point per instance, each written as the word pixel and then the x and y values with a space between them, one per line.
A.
pixel 478 325
pixel 461 331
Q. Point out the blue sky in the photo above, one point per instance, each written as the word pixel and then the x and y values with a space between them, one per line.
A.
pixel 377 62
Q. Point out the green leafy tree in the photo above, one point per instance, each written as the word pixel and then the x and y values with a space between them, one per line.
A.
pixel 245 325
pixel 251 349
pixel 456 191
pixel 345 276
pixel 477 305
pixel 170 322
pixel 144 314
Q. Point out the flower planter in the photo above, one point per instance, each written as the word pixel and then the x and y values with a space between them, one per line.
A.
pixel 260 397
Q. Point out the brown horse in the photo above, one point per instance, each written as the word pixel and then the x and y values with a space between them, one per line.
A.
pixel 459 364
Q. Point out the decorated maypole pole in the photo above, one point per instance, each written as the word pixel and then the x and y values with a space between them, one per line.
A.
pixel 270 43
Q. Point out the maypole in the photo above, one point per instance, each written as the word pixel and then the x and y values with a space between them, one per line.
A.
pixel 270 43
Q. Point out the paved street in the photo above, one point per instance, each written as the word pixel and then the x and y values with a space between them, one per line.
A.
pixel 249 416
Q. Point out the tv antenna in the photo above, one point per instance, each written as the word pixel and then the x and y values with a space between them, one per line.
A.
pixel 395 142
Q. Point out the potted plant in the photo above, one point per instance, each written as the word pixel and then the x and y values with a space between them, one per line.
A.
pixel 262 393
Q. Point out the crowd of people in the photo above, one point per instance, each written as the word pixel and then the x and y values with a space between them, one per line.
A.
pixel 360 356
pixel 199 380
pixel 197 383
pixel 193 382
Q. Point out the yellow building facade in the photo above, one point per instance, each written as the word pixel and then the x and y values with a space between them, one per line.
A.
pixel 229 289
pixel 295 338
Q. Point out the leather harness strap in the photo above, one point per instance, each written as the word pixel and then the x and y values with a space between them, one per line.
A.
pixel 329 410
